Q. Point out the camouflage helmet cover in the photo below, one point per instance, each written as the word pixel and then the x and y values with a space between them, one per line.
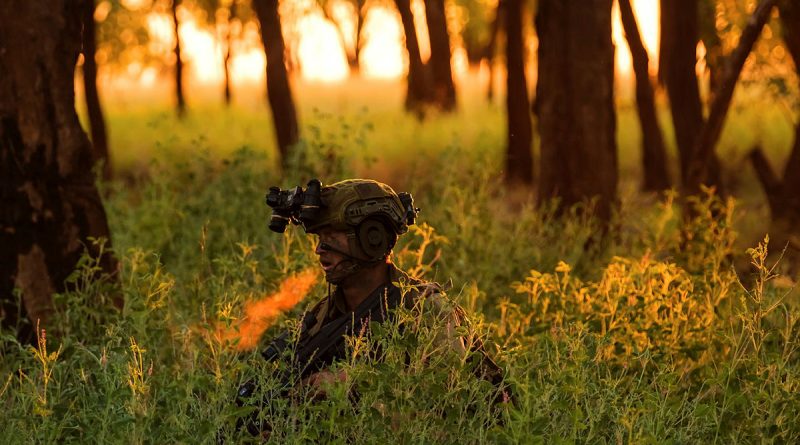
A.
pixel 346 204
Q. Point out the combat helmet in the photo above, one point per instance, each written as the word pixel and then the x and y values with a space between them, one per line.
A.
pixel 370 212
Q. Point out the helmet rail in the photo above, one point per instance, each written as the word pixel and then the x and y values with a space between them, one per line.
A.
pixel 343 205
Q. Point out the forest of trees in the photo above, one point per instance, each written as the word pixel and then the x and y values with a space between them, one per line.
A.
pixel 51 207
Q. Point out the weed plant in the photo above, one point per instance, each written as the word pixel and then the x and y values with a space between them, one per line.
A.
pixel 644 335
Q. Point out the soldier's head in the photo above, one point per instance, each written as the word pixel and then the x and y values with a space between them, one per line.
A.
pixel 356 221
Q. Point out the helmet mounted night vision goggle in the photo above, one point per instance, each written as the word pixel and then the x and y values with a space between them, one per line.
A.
pixel 342 206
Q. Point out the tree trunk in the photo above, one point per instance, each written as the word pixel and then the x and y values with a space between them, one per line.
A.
pixel 703 151
pixel 491 47
pixel 51 206
pixel 714 57
pixel 360 14
pixel 418 93
pixel 279 93
pixel 791 178
pixel 783 194
pixel 790 18
pixel 227 58
pixel 179 98
pixel 444 90
pixel 519 157
pixel 97 125
pixel 678 57
pixel 654 157
pixel 783 197
pixel 575 103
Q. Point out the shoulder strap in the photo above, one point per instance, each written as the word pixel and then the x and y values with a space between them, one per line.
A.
pixel 315 318
pixel 319 349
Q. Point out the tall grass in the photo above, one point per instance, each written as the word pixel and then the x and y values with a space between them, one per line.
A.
pixel 637 337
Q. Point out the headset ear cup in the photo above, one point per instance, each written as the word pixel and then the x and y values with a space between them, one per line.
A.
pixel 373 238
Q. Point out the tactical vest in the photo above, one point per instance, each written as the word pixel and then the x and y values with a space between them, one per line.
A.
pixel 325 326
pixel 378 307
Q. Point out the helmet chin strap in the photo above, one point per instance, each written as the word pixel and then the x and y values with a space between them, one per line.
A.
pixel 355 265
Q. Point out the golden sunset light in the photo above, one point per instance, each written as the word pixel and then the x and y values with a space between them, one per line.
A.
pixel 321 54
pixel 647 18
pixel 319 49
pixel 422 221
pixel 383 55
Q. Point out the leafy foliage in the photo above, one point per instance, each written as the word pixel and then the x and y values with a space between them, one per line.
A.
pixel 642 335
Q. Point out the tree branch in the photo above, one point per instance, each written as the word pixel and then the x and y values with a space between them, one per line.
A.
pixel 709 135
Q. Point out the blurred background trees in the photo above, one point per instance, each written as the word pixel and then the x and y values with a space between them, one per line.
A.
pixel 180 101
pixel 655 171
pixel 519 157
pixel 279 93
pixel 97 124
pixel 677 61
pixel 419 89
pixel 783 193
pixel 444 91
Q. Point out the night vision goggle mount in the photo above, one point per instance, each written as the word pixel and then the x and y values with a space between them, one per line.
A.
pixel 294 205
pixel 305 207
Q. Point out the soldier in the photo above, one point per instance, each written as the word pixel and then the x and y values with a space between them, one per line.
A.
pixel 356 229
pixel 357 223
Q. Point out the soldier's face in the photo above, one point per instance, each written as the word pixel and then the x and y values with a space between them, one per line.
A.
pixel 330 245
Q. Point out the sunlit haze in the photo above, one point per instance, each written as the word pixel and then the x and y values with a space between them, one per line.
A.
pixel 321 54
pixel 646 12
pixel 320 50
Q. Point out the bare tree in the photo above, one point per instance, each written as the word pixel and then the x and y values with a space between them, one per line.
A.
pixel 279 93
pixel 575 103
pixel 703 152
pixel 51 206
pixel 97 125
pixel 654 157
pixel 519 157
